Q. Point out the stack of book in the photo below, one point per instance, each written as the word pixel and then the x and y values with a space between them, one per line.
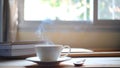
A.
pixel 16 50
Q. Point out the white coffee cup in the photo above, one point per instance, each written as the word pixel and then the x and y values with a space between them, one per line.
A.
pixel 48 53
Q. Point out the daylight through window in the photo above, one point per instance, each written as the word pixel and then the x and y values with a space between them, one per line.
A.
pixel 71 10
pixel 65 10
pixel 109 9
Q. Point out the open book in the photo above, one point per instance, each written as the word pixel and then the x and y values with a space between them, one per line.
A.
pixel 78 50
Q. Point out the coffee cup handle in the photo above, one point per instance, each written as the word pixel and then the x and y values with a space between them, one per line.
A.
pixel 66 53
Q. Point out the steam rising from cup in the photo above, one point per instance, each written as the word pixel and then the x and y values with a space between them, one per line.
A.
pixel 41 29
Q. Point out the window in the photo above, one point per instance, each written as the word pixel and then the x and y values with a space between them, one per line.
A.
pixel 107 12
pixel 71 10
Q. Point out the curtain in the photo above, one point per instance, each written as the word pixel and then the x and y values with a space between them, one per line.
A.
pixel 10 20
pixel 1 20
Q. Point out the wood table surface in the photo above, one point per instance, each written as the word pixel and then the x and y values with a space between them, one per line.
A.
pixel 90 62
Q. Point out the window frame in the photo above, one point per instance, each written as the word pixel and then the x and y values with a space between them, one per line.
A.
pixel 103 22
pixel 83 23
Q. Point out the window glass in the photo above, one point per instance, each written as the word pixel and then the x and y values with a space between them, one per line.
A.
pixel 109 9
pixel 65 10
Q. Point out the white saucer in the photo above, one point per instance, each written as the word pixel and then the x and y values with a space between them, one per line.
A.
pixel 37 60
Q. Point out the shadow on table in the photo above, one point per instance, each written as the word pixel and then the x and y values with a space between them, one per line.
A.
pixel 50 66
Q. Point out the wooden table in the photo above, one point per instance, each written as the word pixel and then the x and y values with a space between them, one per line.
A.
pixel 90 62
